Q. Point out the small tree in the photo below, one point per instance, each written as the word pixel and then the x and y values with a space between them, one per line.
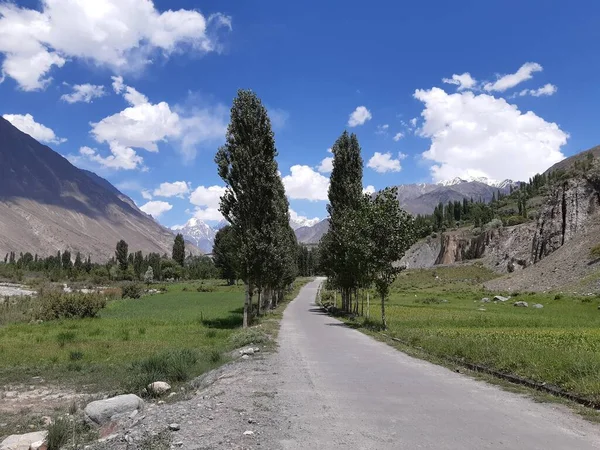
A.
pixel 391 233
pixel 179 250
pixel 66 260
pixel 149 275
pixel 121 254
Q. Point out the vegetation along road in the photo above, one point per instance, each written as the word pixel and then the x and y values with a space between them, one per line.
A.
pixel 342 389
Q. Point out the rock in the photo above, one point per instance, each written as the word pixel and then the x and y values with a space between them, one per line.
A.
pixel 174 427
pixel 521 304
pixel 538 306
pixel 245 357
pixel 499 298
pixel 248 433
pixel 159 387
pixel 38 445
pixel 482 309
pixel 247 351
pixel 256 349
pixel 103 411
pixel 485 300
pixel 22 441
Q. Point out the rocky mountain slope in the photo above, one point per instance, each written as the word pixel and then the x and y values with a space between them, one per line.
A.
pixel 47 205
pixel 198 233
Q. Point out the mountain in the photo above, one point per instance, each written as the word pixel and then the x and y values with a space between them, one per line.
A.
pixel 198 233
pixel 422 198
pixel 566 163
pixel 49 205
pixel 297 222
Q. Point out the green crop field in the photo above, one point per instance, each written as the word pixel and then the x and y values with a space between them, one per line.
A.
pixel 440 311
pixel 178 334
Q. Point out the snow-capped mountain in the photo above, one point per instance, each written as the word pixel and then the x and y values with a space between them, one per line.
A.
pixel 484 180
pixel 297 221
pixel 198 233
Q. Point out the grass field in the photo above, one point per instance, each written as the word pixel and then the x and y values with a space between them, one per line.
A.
pixel 177 335
pixel 558 345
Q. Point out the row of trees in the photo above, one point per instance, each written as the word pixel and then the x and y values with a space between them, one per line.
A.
pixel 367 235
pixel 255 205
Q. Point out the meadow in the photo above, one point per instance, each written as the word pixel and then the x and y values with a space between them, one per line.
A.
pixel 172 336
pixel 440 311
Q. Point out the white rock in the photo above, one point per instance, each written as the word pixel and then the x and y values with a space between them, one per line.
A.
pixel 499 298
pixel 245 357
pixel 174 427
pixel 22 441
pixel 521 304
pixel 247 351
pixel 538 306
pixel 37 445
pixel 248 433
pixel 159 387
pixel 104 411
pixel 485 300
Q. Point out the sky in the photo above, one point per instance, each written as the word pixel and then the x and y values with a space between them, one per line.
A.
pixel 139 91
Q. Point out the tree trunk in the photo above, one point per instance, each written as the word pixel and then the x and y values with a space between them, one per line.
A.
pixel 362 305
pixel 368 306
pixel 246 303
pixel 259 301
pixel 383 320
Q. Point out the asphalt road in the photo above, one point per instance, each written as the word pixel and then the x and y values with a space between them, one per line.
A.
pixel 342 389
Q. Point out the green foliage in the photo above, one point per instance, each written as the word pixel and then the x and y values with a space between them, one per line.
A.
pixel 179 250
pixel 59 432
pixel 122 254
pixel 54 305
pixel 595 252
pixel 65 338
pixel 149 275
pixel 225 253
pixel 514 220
pixel 246 337
pixel 132 290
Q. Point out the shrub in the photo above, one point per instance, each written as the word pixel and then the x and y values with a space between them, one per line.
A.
pixel 132 290
pixel 205 288
pixel 59 305
pixel 515 220
pixel 494 224
pixel 65 337
pixel 76 356
pixel 246 337
pixel 595 252
pixel 58 433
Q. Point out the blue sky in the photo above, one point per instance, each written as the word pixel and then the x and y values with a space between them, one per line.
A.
pixel 140 94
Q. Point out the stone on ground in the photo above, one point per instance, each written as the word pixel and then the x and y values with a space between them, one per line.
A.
pixel 22 441
pixel 521 304
pixel 159 387
pixel 104 411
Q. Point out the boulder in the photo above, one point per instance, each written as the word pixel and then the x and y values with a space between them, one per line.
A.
pixel 499 298
pixel 538 306
pixel 159 387
pixel 521 304
pixel 38 445
pixel 247 351
pixel 22 441
pixel 485 300
pixel 104 411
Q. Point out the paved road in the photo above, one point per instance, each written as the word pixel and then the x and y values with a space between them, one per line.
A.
pixel 342 389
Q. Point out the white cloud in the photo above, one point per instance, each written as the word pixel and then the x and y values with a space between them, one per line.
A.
pixel 464 81
pixel 84 93
pixel 547 89
pixel 123 35
pixel 370 189
pixel 144 124
pixel 176 189
pixel 120 158
pixel 297 221
pixel 382 129
pixel 398 136
pixel 413 122
pixel 278 117
pixel 207 201
pixel 146 194
pixel 384 162
pixel 156 208
pixel 505 82
pixel 27 124
pixel 304 183
pixel 326 165
pixel 360 115
pixel 480 135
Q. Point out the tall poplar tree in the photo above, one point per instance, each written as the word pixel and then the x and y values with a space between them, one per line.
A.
pixel 254 202
pixel 121 254
pixel 179 250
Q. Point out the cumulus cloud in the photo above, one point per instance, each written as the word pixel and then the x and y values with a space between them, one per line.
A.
pixel 303 183
pixel 143 125
pixel 546 90
pixel 207 201
pixel 175 189
pixel 123 35
pixel 480 135
pixel 146 194
pixel 84 93
pixel 370 189
pixel 326 165
pixel 120 158
pixel 382 129
pixel 398 136
pixel 359 116
pixel 156 208
pixel 384 162
pixel 27 124
pixel 464 81
pixel 505 82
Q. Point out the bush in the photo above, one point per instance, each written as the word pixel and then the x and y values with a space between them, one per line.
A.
pixel 515 220
pixel 132 290
pixel 58 433
pixel 494 224
pixel 595 252
pixel 205 288
pixel 59 305
pixel 247 337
